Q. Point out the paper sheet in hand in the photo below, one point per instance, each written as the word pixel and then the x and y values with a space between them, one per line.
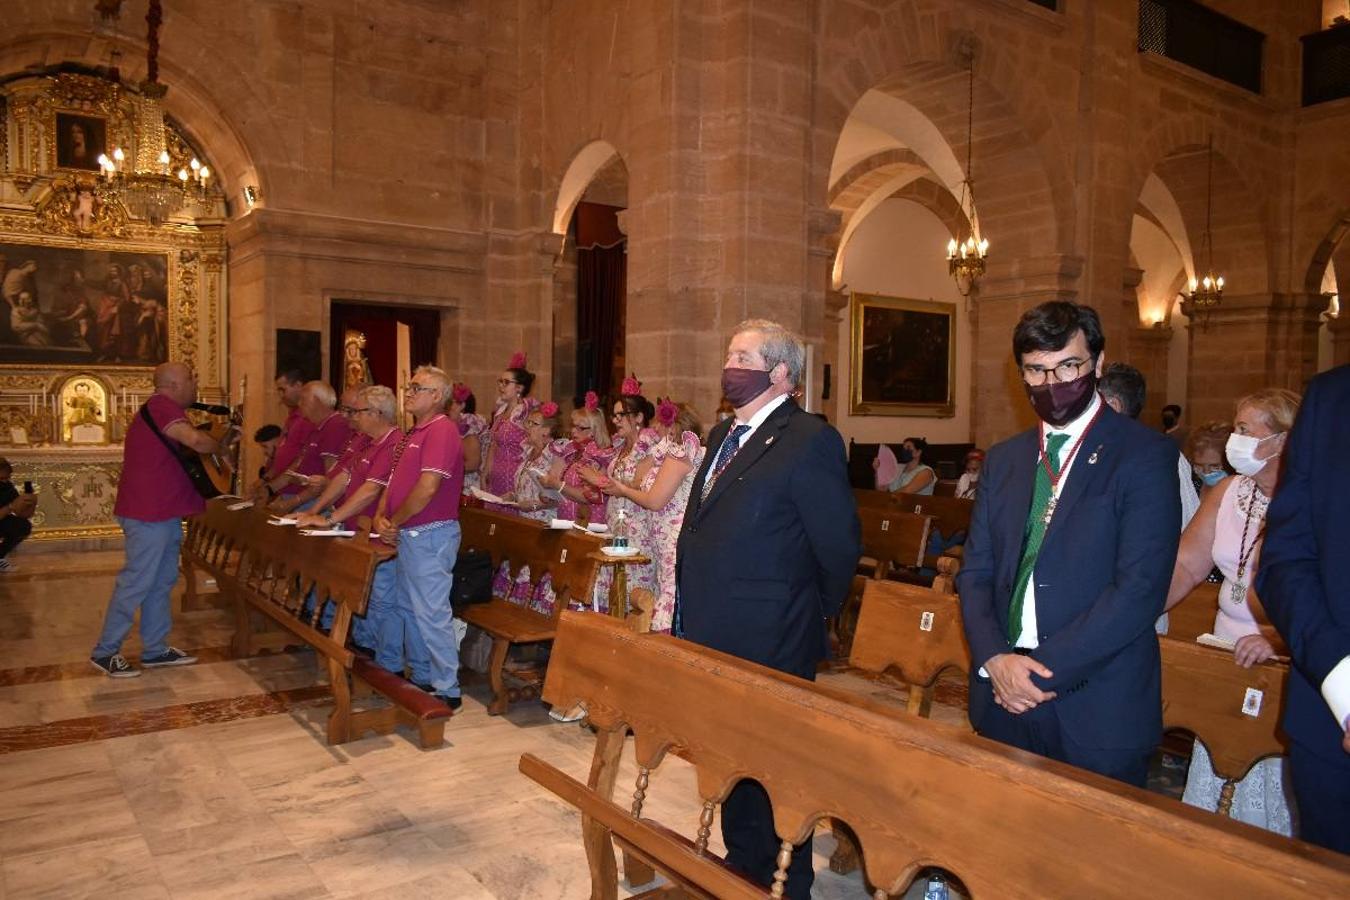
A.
pixel 282 520
pixel 327 532
pixel 551 493
pixel 235 507
pixel 563 524
pixel 492 498
pixel 1211 640
pixel 887 467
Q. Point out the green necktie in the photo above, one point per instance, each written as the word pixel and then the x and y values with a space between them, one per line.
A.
pixel 1035 533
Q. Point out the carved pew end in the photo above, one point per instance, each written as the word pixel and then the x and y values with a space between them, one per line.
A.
pixel 411 706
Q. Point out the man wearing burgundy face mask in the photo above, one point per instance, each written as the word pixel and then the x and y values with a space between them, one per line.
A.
pixel 1068 561
pixel 767 552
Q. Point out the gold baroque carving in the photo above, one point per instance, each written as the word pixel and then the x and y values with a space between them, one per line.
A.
pixel 88 492
pixel 82 207
pixel 186 333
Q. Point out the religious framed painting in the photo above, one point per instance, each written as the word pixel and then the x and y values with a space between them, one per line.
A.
pixel 78 306
pixel 903 357
pixel 80 140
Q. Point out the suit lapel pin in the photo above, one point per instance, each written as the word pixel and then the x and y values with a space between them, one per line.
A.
pixel 1092 460
pixel 768 440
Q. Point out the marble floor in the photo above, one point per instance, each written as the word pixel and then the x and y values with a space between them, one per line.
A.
pixel 214 780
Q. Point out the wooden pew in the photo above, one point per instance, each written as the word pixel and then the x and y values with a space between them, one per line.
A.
pixel 564 556
pixel 1194 615
pixel 917 793
pixel 893 542
pixel 1234 711
pixel 268 572
pixel 912 632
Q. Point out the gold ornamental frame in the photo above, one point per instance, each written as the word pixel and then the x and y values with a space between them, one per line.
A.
pixel 902 357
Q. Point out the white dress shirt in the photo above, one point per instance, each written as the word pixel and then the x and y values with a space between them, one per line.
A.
pixel 758 418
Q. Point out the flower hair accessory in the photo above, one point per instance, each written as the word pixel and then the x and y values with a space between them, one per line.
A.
pixel 517 360
pixel 549 410
pixel 460 393
pixel 631 387
pixel 592 401
pixel 666 411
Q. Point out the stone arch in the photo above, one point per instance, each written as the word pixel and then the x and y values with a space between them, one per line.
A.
pixel 586 164
pixel 1332 247
pixel 203 110
pixel 1023 190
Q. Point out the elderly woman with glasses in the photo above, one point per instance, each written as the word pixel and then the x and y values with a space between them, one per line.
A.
pixel 535 465
pixel 506 436
pixel 587 447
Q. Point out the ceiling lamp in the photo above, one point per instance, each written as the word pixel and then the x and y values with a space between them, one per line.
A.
pixel 1205 292
pixel 144 178
pixel 966 259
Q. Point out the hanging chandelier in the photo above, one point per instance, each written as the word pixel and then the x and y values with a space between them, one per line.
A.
pixel 1206 292
pixel 144 178
pixel 966 259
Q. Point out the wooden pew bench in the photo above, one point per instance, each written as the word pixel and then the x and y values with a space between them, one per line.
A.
pixel 564 557
pixel 917 793
pixel 1195 614
pixel 268 572
pixel 893 542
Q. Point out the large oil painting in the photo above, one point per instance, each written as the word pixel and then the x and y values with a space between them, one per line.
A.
pixel 62 306
pixel 903 357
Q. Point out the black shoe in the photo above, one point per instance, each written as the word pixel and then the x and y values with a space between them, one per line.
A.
pixel 452 702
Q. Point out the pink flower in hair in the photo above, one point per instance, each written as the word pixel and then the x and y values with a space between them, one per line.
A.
pixel 666 411
pixel 517 360
pixel 460 393
pixel 631 387
pixel 548 410
pixel 592 401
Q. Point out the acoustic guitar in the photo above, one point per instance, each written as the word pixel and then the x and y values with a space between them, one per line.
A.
pixel 222 469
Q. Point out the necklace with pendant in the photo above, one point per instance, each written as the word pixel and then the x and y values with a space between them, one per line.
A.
pixel 1239 593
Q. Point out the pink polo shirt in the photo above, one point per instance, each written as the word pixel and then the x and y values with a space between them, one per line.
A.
pixel 324 446
pixel 297 432
pixel 357 442
pixel 373 463
pixel 433 446
pixel 153 486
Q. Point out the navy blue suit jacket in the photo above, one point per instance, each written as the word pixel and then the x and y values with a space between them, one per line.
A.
pixel 1303 578
pixel 1101 578
pixel 772 552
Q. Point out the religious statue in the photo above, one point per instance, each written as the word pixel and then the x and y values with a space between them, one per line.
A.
pixel 355 366
pixel 83 402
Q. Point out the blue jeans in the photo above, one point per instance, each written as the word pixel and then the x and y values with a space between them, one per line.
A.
pixel 423 567
pixel 381 628
pixel 146 579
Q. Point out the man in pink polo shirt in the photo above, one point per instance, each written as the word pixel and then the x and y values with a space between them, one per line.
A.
pixel 296 431
pixel 153 496
pixel 326 444
pixel 360 483
pixel 419 513
pixel 357 441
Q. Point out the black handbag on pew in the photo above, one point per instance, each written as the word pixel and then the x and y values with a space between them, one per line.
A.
pixel 187 458
pixel 473 579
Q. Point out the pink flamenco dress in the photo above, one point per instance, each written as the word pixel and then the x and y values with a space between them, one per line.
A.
pixel 472 425
pixel 661 527
pixel 624 468
pixel 578 457
pixel 506 436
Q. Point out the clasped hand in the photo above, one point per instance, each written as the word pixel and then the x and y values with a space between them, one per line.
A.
pixel 1013 689
pixel 386 529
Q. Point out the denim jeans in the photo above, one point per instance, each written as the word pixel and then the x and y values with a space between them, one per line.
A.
pixel 423 567
pixel 381 628
pixel 146 579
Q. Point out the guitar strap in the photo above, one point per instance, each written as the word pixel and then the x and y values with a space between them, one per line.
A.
pixel 192 466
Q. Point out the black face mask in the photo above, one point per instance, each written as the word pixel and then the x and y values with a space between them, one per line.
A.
pixel 1169 420
pixel 905 455
pixel 1060 402
pixel 741 386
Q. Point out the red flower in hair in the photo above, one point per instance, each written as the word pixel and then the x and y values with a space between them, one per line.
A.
pixel 517 360
pixel 631 387
pixel 666 411
pixel 548 410
pixel 460 393
pixel 592 401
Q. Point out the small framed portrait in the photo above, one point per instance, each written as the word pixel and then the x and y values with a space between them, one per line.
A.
pixel 80 140
pixel 903 357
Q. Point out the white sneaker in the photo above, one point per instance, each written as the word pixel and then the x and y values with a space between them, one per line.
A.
pixel 575 714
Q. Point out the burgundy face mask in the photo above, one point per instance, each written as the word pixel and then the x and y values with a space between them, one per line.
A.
pixel 1060 402
pixel 741 386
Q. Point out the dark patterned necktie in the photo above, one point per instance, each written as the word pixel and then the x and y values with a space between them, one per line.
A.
pixel 724 455
pixel 1037 522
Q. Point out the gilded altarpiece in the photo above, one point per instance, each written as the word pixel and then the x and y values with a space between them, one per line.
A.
pixel 96 325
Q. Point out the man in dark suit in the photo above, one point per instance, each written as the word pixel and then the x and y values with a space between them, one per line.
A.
pixel 767 553
pixel 1068 561
pixel 1304 584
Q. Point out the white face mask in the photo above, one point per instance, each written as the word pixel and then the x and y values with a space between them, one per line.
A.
pixel 1241 452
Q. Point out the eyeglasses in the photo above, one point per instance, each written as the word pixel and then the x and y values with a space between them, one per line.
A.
pixel 534 423
pixel 503 382
pixel 1064 371
pixel 413 387
pixel 618 416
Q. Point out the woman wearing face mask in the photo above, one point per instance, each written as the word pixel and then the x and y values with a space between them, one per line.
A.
pixel 535 464
pixel 1205 450
pixel 1227 533
pixel 506 436
pixel 969 482
pixel 588 447
pixel 914 476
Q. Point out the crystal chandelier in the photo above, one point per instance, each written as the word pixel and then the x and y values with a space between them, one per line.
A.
pixel 966 259
pixel 146 182
pixel 1205 292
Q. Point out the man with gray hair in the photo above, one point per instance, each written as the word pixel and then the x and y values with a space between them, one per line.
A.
pixel 419 514
pixel 326 443
pixel 767 552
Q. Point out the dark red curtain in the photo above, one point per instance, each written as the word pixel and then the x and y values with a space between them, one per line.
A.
pixel 380 325
pixel 602 280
